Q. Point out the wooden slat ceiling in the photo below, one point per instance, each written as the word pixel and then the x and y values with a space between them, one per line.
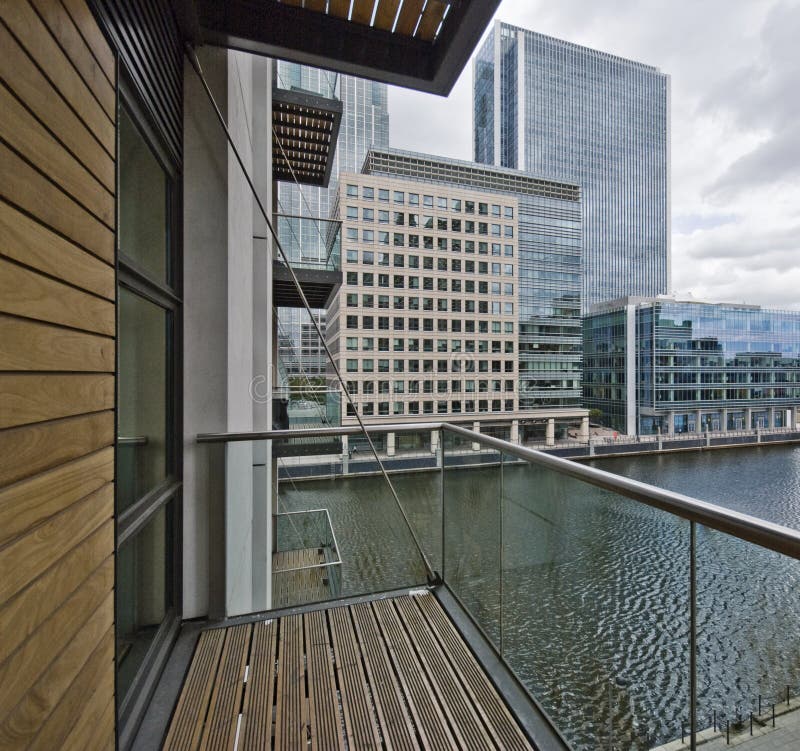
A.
pixel 303 140
pixel 420 19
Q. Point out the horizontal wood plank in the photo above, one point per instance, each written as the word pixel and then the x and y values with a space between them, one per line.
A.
pixel 91 609
pixel 49 710
pixel 29 345
pixel 28 137
pixel 30 85
pixel 29 556
pixel 28 294
pixel 26 241
pixel 102 737
pixel 23 614
pixel 24 186
pixel 61 26
pixel 31 501
pixel 40 45
pixel 82 705
pixel 27 398
pixel 31 449
pixel 90 31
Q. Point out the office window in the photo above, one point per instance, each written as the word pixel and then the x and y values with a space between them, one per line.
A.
pixel 148 401
pixel 413 199
pixel 383 194
pixel 368 215
pixel 368 194
pixel 352 191
pixel 399 196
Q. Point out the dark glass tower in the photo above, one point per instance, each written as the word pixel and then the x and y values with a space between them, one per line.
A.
pixel 567 112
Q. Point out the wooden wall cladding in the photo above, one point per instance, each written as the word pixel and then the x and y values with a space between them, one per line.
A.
pixel 57 376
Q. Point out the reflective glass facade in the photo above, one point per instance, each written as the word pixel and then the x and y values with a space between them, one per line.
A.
pixel 547 249
pixel 696 366
pixel 365 122
pixel 560 110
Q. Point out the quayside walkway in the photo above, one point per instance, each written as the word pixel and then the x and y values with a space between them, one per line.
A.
pixel 384 673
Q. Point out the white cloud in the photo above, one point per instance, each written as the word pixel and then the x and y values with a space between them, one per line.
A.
pixel 735 143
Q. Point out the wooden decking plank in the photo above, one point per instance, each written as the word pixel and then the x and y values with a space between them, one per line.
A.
pixel 498 718
pixel 291 724
pixel 323 702
pixel 359 717
pixel 421 698
pixel 259 695
pixel 395 721
pixel 223 712
pixel 187 722
pixel 457 706
pixel 293 582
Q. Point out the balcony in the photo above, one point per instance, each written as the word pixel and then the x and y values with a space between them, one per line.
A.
pixel 305 128
pixel 625 616
pixel 313 248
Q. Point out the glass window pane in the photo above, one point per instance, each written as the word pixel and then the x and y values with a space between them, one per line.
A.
pixel 142 452
pixel 142 202
pixel 144 593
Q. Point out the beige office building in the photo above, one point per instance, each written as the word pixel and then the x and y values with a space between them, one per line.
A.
pixel 424 326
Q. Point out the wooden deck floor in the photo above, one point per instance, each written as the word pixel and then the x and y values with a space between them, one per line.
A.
pixel 385 674
pixel 302 584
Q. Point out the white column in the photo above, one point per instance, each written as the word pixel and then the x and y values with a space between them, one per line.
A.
pixel 583 435
pixel 390 444
pixel 771 417
pixel 698 422
pixel 723 421
pixel 434 441
pixel 476 427
pixel 515 431
pixel 345 454
pixel 550 435
pixel 748 419
pixel 671 423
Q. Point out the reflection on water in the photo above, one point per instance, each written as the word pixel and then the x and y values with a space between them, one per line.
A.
pixel 588 586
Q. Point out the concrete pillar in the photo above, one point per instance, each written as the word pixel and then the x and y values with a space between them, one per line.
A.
pixel 345 454
pixel 476 427
pixel 390 444
pixel 515 431
pixel 671 423
pixel 723 421
pixel 748 419
pixel 698 424
pixel 434 441
pixel 771 417
pixel 583 434
pixel 550 435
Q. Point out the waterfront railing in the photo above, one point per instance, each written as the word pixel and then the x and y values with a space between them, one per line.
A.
pixel 625 609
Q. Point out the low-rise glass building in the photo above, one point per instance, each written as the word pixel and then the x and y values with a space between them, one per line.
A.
pixel 661 365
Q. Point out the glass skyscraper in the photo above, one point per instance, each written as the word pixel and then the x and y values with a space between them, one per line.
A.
pixel 671 366
pixel 571 113
pixel 365 122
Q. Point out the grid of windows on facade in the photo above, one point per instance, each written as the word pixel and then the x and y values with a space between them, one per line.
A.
pixel 698 366
pixel 548 254
pixel 427 311
pixel 554 108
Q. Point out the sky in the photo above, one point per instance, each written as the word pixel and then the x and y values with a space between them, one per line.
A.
pixel 735 69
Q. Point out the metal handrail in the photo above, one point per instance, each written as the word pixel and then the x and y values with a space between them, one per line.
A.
pixel 743 526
